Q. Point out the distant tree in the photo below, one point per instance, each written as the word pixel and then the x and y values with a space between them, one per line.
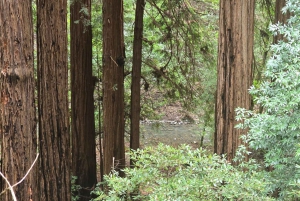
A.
pixel 235 57
pixel 17 109
pixel 280 17
pixel 54 136
pixel 113 85
pixel 136 76
pixel 82 101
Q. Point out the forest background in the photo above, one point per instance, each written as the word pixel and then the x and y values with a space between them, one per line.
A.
pixel 84 73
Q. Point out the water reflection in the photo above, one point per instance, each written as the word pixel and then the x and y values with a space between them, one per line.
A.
pixel 172 133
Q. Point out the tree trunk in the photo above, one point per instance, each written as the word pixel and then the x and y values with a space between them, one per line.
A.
pixel 235 57
pixel 82 101
pixel 17 109
pixel 113 85
pixel 54 138
pixel 136 76
pixel 280 17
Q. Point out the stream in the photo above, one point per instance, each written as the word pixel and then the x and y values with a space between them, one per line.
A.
pixel 173 133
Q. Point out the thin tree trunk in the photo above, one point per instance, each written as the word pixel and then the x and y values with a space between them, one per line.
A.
pixel 100 106
pixel 82 101
pixel 235 57
pixel 54 136
pixel 113 85
pixel 136 77
pixel 17 109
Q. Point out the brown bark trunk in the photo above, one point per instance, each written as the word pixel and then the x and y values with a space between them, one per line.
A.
pixel 82 101
pixel 17 109
pixel 54 138
pixel 235 57
pixel 136 77
pixel 280 17
pixel 113 85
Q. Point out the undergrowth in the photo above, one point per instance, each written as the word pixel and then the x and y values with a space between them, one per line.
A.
pixel 168 173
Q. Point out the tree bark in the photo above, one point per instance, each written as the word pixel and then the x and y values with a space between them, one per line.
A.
pixel 280 17
pixel 235 56
pixel 136 77
pixel 17 109
pixel 54 136
pixel 113 85
pixel 82 101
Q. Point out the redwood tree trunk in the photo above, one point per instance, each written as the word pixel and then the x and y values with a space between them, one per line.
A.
pixel 113 85
pixel 82 102
pixel 17 110
pixel 54 137
pixel 280 17
pixel 136 76
pixel 235 57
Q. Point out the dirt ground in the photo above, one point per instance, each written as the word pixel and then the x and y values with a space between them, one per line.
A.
pixel 175 112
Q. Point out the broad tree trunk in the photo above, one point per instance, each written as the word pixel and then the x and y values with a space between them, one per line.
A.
pixel 17 110
pixel 54 136
pixel 235 57
pixel 136 76
pixel 82 101
pixel 113 85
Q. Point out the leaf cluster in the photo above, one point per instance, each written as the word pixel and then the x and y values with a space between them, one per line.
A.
pixel 167 173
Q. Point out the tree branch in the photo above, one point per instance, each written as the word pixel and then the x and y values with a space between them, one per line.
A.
pixel 11 187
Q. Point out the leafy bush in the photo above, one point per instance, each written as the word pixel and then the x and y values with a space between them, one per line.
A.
pixel 75 188
pixel 167 173
pixel 276 131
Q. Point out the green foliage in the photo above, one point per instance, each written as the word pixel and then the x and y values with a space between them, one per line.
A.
pixel 179 41
pixel 96 22
pixel 167 173
pixel 179 54
pixel 276 131
pixel 74 189
pixel 264 15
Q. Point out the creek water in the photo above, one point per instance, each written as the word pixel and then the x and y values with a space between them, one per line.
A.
pixel 173 133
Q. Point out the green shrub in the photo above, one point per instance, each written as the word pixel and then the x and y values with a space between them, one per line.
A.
pixel 75 188
pixel 166 173
pixel 276 131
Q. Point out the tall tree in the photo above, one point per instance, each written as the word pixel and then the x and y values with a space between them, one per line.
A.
pixel 235 57
pixel 113 85
pixel 280 17
pixel 82 101
pixel 54 137
pixel 17 110
pixel 136 76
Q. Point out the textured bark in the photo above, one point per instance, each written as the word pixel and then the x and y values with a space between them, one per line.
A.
pixel 280 17
pixel 82 101
pixel 54 138
pixel 113 85
pixel 235 57
pixel 136 76
pixel 17 110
